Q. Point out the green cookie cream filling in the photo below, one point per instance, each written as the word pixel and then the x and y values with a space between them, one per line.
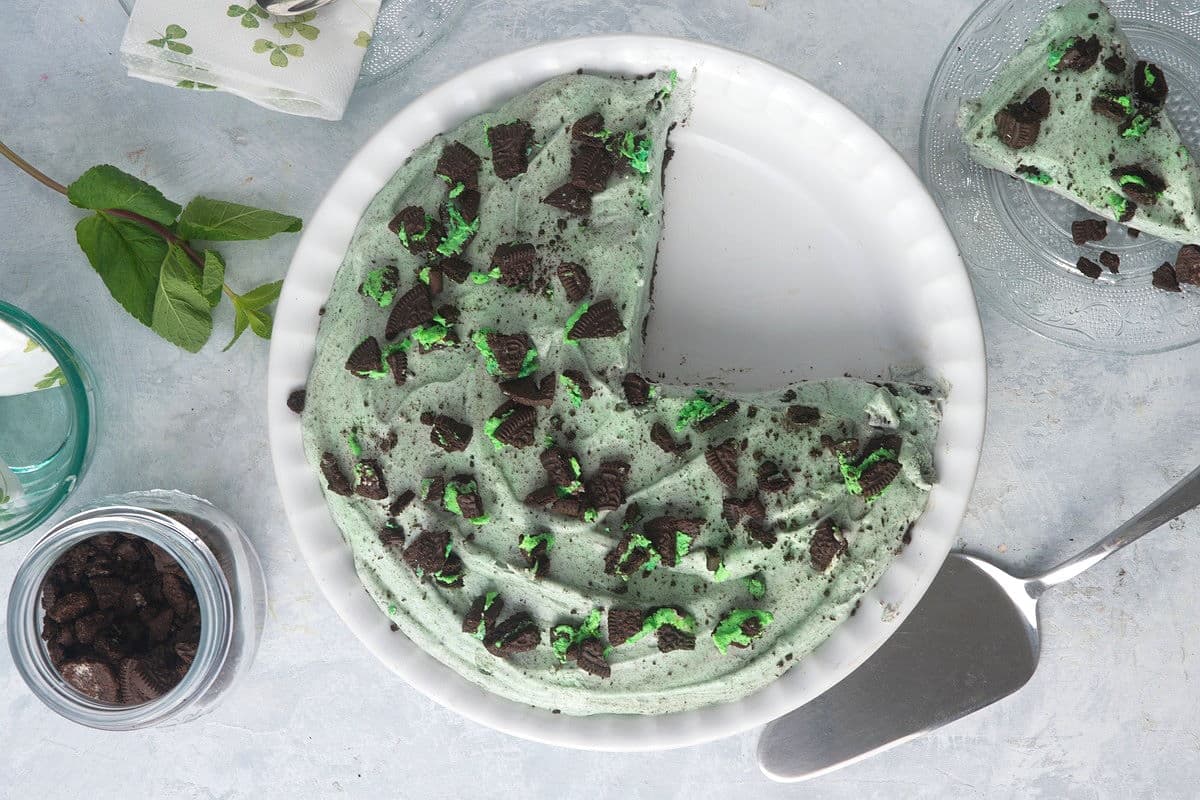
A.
pixel 1057 52
pixel 530 541
pixel 574 393
pixel 481 628
pixel 376 287
pixel 698 409
pixel 730 630
pixel 663 617
pixel 852 473
pixel 571 320
pixel 564 637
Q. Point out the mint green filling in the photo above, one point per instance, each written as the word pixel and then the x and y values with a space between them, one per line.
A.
pixel 1057 52
pixel 722 573
pixel 373 287
pixel 589 515
pixel 756 586
pixel 574 394
pixel 1148 76
pixel 640 542
pixel 852 474
pixel 1138 127
pixel 353 443
pixel 698 409
pixel 480 278
pixel 1135 180
pixel 563 637
pixel 1039 177
pixel 571 320
pixel 459 232
pixel 492 425
pixel 1123 100
pixel 457 190
pixel 729 631
pixel 1118 204
pixel 636 150
pixel 530 541
pixel 662 617
pixel 683 545
pixel 450 503
pixel 432 333
pixel 481 628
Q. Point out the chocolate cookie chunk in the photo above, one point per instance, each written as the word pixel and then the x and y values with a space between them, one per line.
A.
pixel 295 401
pixel 413 309
pixel 598 321
pixel 1082 55
pixel 571 199
pixel 722 414
pixel 418 232
pixel 483 614
pixel 369 481
pixel 518 424
pixel 1139 184
pixel 510 145
pixel 529 392
pixel 734 510
pixel 637 389
pixel 624 624
pixel 459 164
pixel 447 432
pixel 575 281
pixel 517 634
pixel 591 167
pixel 335 479
pixel 515 263
pixel 773 479
pixel 1111 261
pixel 589 655
pixel 826 545
pixel 1018 126
pixel 1115 64
pixel 511 352
pixel 607 487
pixel 803 415
pixel 1088 230
pixel 427 553
pixel 1088 267
pixel 455 268
pixel 580 382
pixel 1165 278
pixel 722 460
pixel 661 435
pixel 366 360
pixel 1149 83
pixel 1187 264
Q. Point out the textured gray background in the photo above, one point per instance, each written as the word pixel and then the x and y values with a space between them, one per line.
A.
pixel 1076 443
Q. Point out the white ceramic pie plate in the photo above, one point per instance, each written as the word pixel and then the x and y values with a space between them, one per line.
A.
pixel 797 244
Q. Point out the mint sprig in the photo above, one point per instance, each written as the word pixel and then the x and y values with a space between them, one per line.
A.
pixel 141 245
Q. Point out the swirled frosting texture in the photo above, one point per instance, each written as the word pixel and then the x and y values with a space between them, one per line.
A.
pixel 616 244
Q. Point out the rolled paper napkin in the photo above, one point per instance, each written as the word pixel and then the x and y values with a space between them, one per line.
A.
pixel 304 65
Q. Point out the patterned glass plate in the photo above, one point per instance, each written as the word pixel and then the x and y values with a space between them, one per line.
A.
pixel 404 30
pixel 1016 238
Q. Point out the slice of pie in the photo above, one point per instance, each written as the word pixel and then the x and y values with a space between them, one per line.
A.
pixel 1075 111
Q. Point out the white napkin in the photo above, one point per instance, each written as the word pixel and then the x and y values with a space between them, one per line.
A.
pixel 304 65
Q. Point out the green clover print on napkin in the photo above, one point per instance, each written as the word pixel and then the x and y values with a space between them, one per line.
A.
pixel 250 14
pixel 299 25
pixel 194 85
pixel 169 38
pixel 279 53
pixel 363 39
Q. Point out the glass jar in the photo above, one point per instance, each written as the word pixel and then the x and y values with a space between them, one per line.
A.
pixel 47 410
pixel 230 591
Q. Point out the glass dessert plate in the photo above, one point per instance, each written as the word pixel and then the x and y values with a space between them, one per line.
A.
pixel 733 271
pixel 1015 238
pixel 403 30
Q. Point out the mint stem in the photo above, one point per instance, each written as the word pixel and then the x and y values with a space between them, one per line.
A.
pixel 162 231
pixel 33 171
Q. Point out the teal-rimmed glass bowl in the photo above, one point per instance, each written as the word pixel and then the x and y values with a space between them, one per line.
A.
pixel 47 422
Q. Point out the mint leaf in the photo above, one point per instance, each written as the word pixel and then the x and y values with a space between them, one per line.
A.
pixel 262 296
pixel 128 258
pixel 106 186
pixel 181 312
pixel 213 280
pixel 248 311
pixel 219 221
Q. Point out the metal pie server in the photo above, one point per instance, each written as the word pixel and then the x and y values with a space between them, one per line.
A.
pixel 972 640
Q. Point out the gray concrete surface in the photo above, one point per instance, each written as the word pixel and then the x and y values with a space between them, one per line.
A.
pixel 1076 442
